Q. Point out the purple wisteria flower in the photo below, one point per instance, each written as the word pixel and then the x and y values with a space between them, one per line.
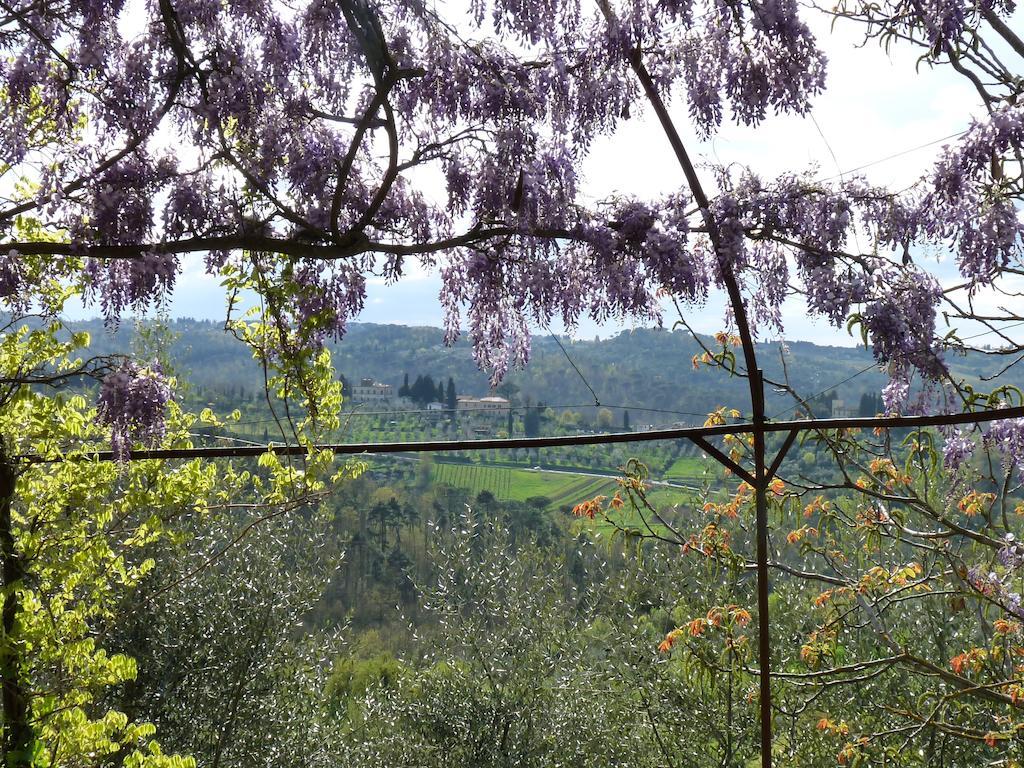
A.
pixel 968 206
pixel 996 584
pixel 1011 555
pixel 122 283
pixel 957 449
pixel 12 280
pixel 895 394
pixel 985 581
pixel 133 402
pixel 1007 436
pixel 290 144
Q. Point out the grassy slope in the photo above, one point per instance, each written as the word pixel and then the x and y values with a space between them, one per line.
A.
pixel 521 484
pixel 686 468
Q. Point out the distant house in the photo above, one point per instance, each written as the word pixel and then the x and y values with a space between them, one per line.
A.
pixel 370 391
pixel 435 406
pixel 494 403
pixel 483 406
pixel 840 410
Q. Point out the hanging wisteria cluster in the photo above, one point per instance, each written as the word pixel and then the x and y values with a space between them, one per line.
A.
pixel 1008 437
pixel 978 217
pixel 133 402
pixel 999 582
pixel 290 144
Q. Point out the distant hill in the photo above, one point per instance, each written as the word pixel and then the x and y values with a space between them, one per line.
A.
pixel 640 369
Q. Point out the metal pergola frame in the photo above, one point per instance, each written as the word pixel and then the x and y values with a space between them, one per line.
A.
pixel 698 435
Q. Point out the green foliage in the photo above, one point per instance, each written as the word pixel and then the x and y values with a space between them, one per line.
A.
pixel 239 684
pixel 75 529
pixel 180 603
pixel 508 681
pixel 354 676
pixel 79 537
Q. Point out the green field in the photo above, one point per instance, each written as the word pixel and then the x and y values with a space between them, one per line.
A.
pixel 686 468
pixel 521 484
pixel 667 497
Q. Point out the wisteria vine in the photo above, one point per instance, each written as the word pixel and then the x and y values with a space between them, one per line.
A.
pixel 290 145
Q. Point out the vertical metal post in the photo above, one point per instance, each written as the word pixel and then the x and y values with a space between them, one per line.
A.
pixel 754 373
pixel 761 525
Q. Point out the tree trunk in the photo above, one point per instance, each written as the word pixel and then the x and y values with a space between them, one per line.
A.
pixel 17 733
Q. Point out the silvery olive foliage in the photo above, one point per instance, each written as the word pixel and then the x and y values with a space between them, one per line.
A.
pixel 227 670
pixel 514 674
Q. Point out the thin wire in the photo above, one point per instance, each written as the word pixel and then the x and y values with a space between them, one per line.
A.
pixel 656 410
pixel 219 436
pixel 501 409
pixel 244 441
pixel 827 145
pixel 826 389
pixel 842 174
pixel 993 330
pixel 892 156
pixel 411 411
pixel 583 378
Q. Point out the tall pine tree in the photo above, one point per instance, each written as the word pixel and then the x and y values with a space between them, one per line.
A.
pixel 451 400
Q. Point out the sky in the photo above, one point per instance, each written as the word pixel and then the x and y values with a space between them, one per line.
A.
pixel 881 114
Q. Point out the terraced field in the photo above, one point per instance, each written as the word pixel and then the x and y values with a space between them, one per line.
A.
pixel 520 484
